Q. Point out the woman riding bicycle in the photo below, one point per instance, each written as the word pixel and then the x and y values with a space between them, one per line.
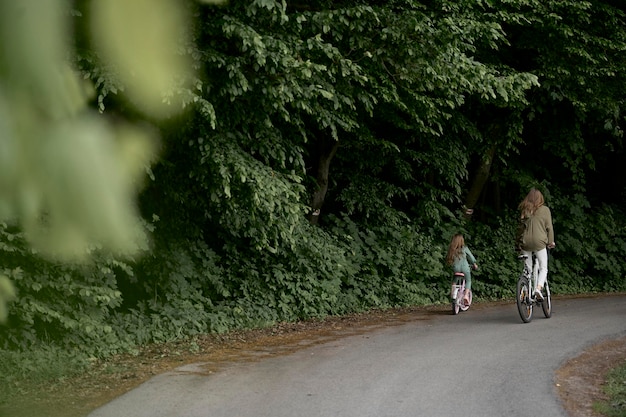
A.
pixel 536 234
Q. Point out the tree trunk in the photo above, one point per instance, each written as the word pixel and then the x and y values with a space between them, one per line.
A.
pixel 480 179
pixel 328 149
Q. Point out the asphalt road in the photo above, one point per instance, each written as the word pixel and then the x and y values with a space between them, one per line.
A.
pixel 483 363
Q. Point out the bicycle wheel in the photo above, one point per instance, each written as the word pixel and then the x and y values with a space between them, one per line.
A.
pixel 463 306
pixel 546 305
pixel 455 307
pixel 524 303
pixel 456 302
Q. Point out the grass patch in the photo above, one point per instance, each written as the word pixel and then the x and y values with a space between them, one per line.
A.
pixel 615 389
pixel 25 372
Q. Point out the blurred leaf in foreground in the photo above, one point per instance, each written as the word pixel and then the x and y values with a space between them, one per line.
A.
pixel 141 39
pixel 68 175
pixel 7 293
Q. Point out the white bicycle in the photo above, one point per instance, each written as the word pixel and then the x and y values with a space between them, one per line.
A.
pixel 525 294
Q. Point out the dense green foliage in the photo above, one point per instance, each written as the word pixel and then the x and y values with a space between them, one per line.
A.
pixel 405 109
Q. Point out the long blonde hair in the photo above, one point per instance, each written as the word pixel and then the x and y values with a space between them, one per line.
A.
pixel 532 201
pixel 455 250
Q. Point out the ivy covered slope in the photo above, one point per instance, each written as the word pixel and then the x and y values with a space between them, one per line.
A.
pixel 325 156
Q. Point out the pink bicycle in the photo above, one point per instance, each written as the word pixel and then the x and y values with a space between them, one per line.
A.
pixel 458 288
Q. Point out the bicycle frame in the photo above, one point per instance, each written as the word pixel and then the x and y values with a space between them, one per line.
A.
pixel 531 276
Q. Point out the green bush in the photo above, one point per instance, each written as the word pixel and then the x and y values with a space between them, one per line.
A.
pixel 21 369
pixel 389 265
pixel 590 242
pixel 62 304
pixel 494 249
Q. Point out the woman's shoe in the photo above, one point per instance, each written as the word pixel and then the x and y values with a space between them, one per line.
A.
pixel 538 295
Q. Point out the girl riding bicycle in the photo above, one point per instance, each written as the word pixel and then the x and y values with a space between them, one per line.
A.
pixel 460 257
pixel 536 234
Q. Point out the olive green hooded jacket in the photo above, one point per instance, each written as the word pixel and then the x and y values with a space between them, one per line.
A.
pixel 536 231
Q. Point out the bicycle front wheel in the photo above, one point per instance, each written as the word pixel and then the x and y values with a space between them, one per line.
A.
pixel 547 302
pixel 524 302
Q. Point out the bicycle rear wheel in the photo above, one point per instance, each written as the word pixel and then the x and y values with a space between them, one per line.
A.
pixel 455 307
pixel 524 302
pixel 458 294
pixel 465 307
pixel 546 305
pixel 456 303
